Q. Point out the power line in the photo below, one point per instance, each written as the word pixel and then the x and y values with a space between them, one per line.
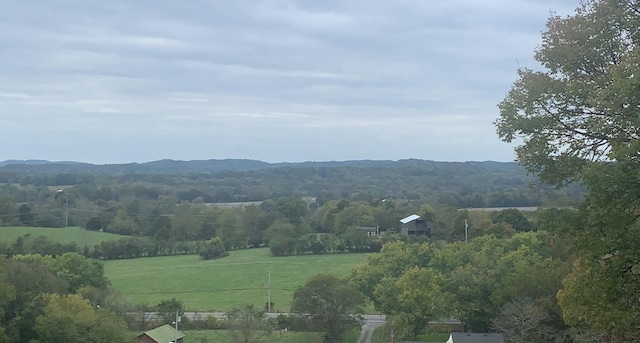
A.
pixel 210 290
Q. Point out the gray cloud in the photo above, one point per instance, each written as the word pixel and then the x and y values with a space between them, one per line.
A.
pixel 275 80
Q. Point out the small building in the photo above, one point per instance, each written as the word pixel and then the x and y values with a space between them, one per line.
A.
pixel 371 230
pixel 464 337
pixel 414 225
pixel 163 334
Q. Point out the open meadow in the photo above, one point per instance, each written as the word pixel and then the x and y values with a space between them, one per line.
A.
pixel 60 235
pixel 220 285
pixel 224 336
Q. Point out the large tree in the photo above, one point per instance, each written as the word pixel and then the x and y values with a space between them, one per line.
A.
pixel 331 305
pixel 584 105
pixel 71 319
pixel 578 119
pixel 247 324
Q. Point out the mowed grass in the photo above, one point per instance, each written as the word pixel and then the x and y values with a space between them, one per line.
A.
pixel 220 285
pixel 61 235
pixel 224 336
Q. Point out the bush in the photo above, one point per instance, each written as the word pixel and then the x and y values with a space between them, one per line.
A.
pixel 213 248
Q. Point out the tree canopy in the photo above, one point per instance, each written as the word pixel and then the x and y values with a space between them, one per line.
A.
pixel 578 119
pixel 331 305
pixel 583 106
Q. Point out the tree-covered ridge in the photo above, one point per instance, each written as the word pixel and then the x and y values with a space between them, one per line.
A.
pixel 468 184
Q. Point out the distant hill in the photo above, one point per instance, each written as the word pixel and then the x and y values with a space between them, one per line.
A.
pixel 171 167
pixel 33 162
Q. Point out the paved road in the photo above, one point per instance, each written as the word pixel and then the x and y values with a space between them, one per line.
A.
pixel 371 322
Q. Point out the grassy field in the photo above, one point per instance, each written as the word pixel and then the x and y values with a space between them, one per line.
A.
pixel 224 336
pixel 61 235
pixel 241 278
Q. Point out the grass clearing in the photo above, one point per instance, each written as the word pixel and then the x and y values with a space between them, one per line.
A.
pixel 61 235
pixel 220 285
pixel 224 336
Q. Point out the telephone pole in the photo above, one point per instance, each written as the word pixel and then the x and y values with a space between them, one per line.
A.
pixel 66 213
pixel 269 291
pixel 466 229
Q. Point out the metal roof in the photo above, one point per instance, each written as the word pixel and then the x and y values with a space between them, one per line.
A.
pixel 409 218
pixel 164 334
pixel 464 337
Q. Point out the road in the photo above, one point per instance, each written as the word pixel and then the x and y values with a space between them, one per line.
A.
pixel 371 321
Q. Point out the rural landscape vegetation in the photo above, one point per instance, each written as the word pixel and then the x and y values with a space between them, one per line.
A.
pixel 546 250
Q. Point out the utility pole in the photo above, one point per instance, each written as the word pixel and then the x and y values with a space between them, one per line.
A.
pixel 66 213
pixel 177 318
pixel 269 292
pixel 466 229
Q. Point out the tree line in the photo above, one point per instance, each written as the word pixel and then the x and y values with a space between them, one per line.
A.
pixel 461 185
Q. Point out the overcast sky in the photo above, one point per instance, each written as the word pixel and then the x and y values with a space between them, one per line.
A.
pixel 276 80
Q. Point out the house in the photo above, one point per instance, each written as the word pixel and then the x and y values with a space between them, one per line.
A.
pixel 463 337
pixel 414 225
pixel 371 230
pixel 163 334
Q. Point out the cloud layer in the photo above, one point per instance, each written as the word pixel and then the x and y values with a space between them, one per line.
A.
pixel 275 80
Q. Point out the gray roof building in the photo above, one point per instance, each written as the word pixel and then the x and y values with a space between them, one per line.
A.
pixel 463 337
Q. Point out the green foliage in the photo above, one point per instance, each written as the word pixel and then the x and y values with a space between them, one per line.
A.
pixel 123 224
pixel 578 120
pixel 7 211
pixel 513 217
pixel 213 248
pixel 393 261
pixel 71 319
pixel 583 107
pixel 74 268
pixel 282 237
pixel 170 309
pixel 26 216
pixel 415 283
pixel 331 305
pixel 66 235
pixel 421 299
pixel 94 224
pixel 248 324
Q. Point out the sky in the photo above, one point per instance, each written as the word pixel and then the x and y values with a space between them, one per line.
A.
pixel 123 81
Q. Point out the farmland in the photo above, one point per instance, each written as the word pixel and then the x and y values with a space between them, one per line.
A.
pixel 219 285
pixel 60 235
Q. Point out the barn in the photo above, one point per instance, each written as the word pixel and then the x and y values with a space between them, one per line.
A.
pixel 162 334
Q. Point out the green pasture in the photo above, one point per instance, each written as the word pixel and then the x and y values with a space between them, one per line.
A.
pixel 220 285
pixel 61 235
pixel 224 336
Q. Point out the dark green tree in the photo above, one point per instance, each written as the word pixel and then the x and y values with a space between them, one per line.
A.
pixel 7 211
pixel 247 324
pixel 169 309
pixel 26 215
pixel 213 248
pixel 71 319
pixel 513 217
pixel 94 224
pixel 331 305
